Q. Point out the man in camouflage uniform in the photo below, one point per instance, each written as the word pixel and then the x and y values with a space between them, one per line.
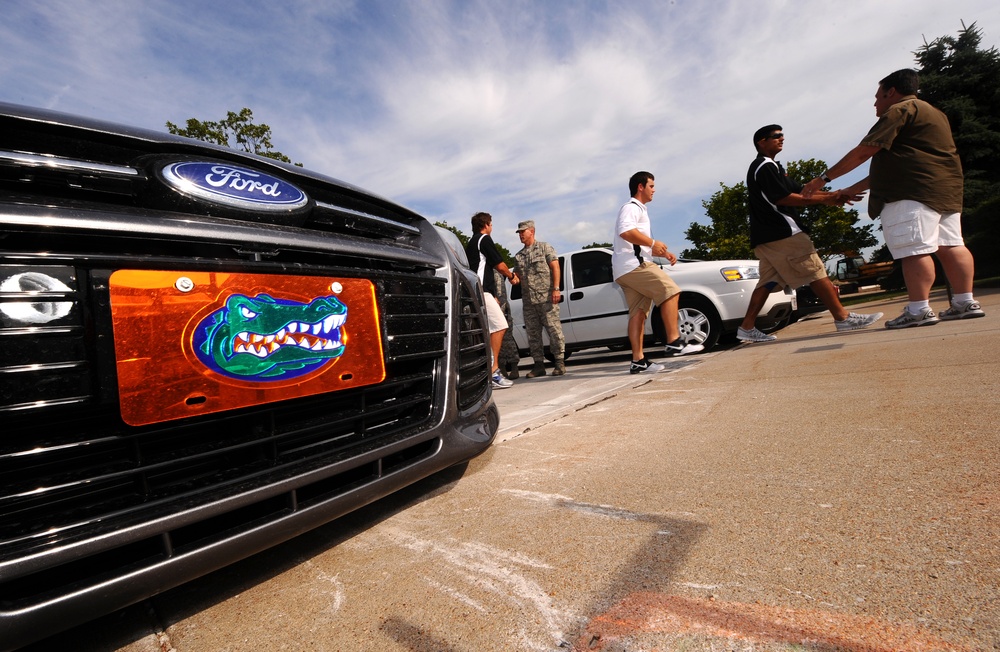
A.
pixel 538 268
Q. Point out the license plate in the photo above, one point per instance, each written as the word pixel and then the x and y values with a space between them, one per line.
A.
pixel 193 343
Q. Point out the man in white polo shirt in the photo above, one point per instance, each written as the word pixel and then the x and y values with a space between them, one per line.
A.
pixel 642 280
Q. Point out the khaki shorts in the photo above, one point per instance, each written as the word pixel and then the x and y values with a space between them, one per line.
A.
pixel 494 313
pixel 911 228
pixel 645 285
pixel 791 261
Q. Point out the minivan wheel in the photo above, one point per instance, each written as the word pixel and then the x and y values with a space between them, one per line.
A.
pixel 697 320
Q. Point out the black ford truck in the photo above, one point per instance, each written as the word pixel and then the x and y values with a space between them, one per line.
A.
pixel 204 353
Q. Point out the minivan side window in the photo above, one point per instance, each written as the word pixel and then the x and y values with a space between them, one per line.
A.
pixel 591 268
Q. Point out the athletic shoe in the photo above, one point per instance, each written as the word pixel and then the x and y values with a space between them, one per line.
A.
pixel 753 335
pixel 856 321
pixel 499 382
pixel 645 366
pixel 967 310
pixel 678 347
pixel 926 317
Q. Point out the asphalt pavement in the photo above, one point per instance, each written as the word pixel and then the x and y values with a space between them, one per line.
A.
pixel 827 491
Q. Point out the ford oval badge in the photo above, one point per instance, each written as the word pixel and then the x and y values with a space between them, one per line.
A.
pixel 232 185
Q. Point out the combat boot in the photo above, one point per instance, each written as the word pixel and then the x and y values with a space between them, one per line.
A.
pixel 560 369
pixel 536 372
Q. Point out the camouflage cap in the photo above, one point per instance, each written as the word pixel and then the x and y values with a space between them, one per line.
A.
pixel 527 224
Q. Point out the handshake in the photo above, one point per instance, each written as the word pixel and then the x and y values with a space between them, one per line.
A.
pixel 831 198
pixel 840 197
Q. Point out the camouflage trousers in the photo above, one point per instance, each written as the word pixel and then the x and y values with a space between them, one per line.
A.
pixel 509 357
pixel 536 317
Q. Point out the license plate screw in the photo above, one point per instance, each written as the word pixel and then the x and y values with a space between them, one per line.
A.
pixel 184 284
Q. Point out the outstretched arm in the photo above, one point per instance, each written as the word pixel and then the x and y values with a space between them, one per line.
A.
pixel 835 198
pixel 851 160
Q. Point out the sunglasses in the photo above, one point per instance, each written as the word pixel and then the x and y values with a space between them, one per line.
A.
pixel 775 136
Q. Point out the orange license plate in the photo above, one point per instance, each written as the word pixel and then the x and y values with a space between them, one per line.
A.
pixel 192 343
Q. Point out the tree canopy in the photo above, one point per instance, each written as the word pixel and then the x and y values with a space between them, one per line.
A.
pixel 963 80
pixel 834 230
pixel 236 131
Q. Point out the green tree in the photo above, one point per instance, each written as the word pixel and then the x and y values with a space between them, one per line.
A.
pixel 598 245
pixel 236 130
pixel 728 236
pixel 834 230
pixel 963 80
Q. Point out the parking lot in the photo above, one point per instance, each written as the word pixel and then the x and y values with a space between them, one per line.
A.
pixel 828 491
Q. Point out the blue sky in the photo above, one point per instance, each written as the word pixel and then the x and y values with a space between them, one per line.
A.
pixel 527 110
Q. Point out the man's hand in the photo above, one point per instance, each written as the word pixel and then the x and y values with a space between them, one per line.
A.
pixel 515 279
pixel 660 249
pixel 812 187
pixel 847 197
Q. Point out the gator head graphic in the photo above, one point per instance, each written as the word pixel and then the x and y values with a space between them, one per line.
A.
pixel 263 338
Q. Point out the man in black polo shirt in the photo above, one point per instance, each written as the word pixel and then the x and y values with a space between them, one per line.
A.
pixel 786 253
pixel 483 259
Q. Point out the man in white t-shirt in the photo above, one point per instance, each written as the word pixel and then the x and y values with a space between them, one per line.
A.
pixel 642 280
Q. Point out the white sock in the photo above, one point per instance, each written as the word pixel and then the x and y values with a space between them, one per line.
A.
pixel 959 299
pixel 915 307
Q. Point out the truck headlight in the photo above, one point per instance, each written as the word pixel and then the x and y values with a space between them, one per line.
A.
pixel 741 273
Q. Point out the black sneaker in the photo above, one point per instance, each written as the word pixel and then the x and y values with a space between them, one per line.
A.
pixel 679 347
pixel 645 366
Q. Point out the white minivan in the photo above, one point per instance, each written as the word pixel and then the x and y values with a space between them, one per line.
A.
pixel 714 299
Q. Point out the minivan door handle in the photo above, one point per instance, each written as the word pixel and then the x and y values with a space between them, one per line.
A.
pixel 573 296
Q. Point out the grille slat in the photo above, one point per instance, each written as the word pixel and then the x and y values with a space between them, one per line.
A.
pixel 473 353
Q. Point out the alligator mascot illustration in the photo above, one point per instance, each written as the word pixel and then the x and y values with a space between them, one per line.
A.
pixel 263 338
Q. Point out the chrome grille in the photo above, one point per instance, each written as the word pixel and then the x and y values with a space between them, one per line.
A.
pixel 473 350
pixel 70 469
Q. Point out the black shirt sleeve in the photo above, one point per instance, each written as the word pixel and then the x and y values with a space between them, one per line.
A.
pixel 775 183
pixel 489 250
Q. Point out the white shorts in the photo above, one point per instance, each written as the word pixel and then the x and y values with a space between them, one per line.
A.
pixel 494 313
pixel 911 228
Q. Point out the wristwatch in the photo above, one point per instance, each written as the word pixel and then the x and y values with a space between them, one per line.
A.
pixel 826 177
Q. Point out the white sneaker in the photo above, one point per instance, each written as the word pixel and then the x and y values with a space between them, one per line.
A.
pixel 857 321
pixel 906 320
pixel 753 335
pixel 964 310
pixel 645 366
pixel 678 348
pixel 499 382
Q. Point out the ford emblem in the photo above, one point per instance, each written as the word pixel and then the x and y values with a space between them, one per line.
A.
pixel 232 185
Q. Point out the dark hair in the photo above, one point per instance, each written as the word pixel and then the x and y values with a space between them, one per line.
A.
pixel 905 81
pixel 764 132
pixel 480 221
pixel 638 179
